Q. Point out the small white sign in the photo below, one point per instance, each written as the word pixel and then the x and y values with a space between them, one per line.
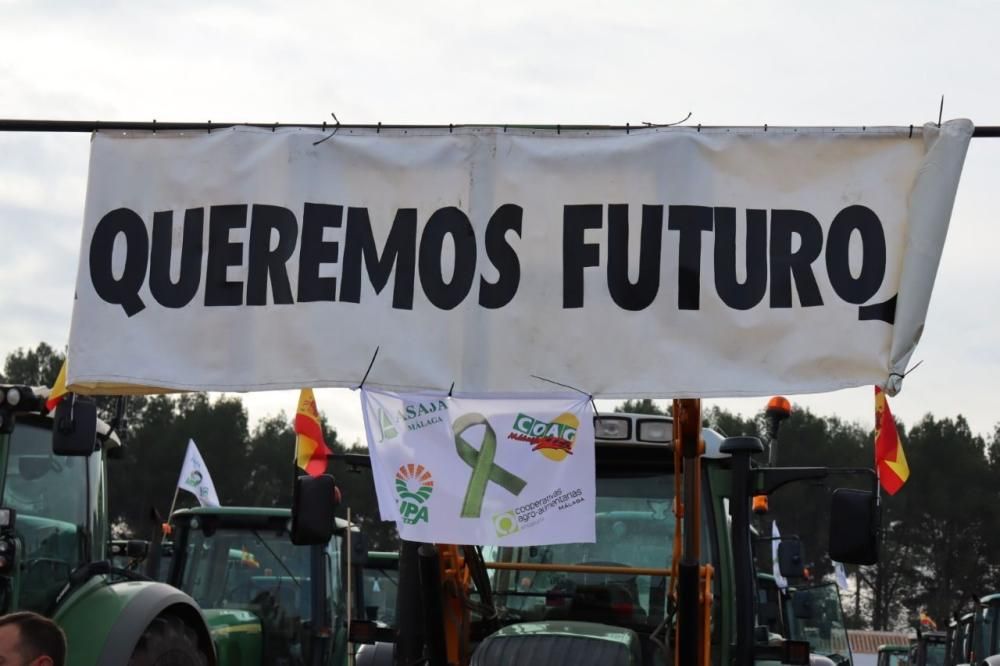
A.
pixel 508 472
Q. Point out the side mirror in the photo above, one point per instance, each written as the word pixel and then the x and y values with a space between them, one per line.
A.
pixel 853 527
pixel 790 559
pixel 75 431
pixel 313 506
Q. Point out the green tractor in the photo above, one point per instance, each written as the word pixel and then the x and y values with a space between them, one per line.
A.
pixel 803 610
pixel 267 601
pixel 660 586
pixel 55 555
pixel 810 613
pixel 893 655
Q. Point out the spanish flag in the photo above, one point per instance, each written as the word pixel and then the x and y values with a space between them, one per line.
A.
pixel 310 449
pixel 926 622
pixel 890 460
pixel 58 389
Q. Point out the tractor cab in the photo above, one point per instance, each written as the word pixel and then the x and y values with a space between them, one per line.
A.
pixel 814 614
pixel 985 630
pixel 960 636
pixel 893 655
pixel 623 578
pixel 54 511
pixel 929 648
pixel 266 600
pixel 380 586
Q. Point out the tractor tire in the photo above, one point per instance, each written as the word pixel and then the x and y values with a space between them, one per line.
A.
pixel 167 641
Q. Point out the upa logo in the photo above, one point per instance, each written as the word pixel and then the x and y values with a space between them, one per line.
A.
pixel 414 485
pixel 554 439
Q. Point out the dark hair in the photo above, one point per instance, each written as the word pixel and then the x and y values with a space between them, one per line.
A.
pixel 40 636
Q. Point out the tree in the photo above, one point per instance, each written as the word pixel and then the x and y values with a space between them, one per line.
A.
pixel 32 367
pixel 644 406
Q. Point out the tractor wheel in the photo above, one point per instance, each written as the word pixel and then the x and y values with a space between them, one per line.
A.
pixel 167 641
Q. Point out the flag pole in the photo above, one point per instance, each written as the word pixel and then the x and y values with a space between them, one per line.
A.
pixel 165 527
pixel 350 583
pixel 173 503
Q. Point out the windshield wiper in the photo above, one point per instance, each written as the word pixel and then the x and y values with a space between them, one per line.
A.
pixel 276 558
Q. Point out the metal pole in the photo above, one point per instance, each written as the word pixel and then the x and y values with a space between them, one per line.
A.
pixel 87 126
pixel 687 419
pixel 350 584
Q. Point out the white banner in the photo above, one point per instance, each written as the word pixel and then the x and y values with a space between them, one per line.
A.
pixel 517 472
pixel 195 478
pixel 659 262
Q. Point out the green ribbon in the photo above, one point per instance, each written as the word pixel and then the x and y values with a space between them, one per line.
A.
pixel 484 470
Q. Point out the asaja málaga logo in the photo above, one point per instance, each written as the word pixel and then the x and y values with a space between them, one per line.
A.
pixel 412 416
pixel 554 439
pixel 414 485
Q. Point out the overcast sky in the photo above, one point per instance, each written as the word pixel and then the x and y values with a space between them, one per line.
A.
pixel 801 63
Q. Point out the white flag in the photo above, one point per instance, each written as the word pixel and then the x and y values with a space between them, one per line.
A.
pixel 775 540
pixel 499 471
pixel 195 477
pixel 838 571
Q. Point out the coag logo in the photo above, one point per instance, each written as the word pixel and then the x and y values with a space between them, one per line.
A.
pixel 505 523
pixel 414 485
pixel 554 439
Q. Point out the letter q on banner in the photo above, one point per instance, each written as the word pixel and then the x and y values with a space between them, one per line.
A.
pixel 498 471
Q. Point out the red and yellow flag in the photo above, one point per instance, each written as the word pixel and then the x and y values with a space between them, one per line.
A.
pixel 58 389
pixel 310 448
pixel 889 457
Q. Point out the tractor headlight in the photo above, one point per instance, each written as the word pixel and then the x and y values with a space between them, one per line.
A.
pixel 612 427
pixel 655 431
pixel 13 397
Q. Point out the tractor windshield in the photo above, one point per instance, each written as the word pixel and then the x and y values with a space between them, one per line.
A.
pixel 935 653
pixel 46 492
pixel 247 569
pixel 818 618
pixel 381 574
pixel 635 528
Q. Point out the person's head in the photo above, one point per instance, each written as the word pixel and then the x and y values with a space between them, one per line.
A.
pixel 29 639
